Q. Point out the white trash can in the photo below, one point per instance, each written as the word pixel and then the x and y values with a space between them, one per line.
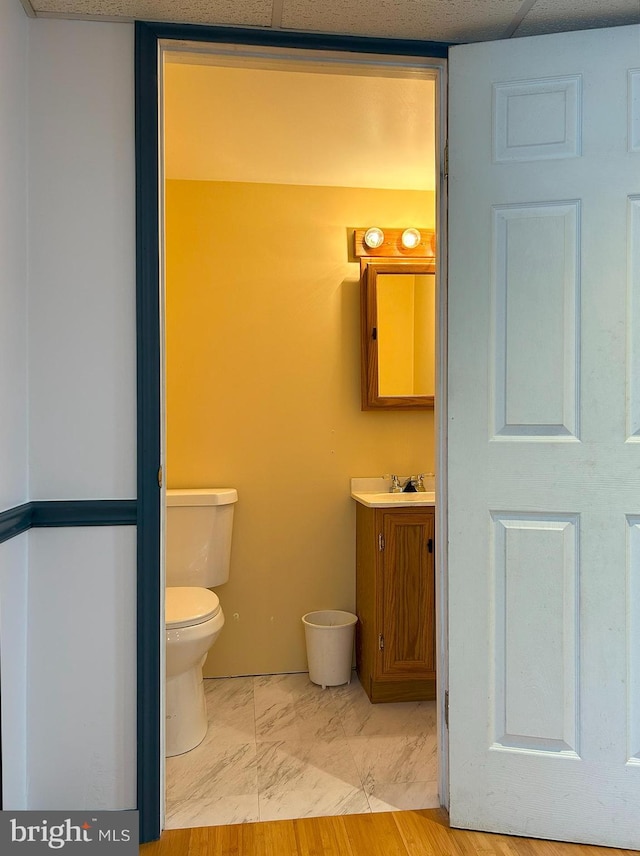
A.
pixel 329 635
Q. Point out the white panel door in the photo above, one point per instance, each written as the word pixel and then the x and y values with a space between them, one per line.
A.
pixel 544 436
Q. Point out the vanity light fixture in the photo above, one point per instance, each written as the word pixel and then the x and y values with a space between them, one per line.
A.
pixel 410 239
pixel 374 237
pixel 374 242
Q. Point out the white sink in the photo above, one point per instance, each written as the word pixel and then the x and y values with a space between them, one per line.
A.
pixel 376 493
pixel 394 500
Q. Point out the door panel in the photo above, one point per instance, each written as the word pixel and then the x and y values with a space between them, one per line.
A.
pixel 535 252
pixel 543 430
pixel 535 568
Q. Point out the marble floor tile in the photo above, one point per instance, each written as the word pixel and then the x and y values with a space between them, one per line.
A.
pixel 278 746
pixel 290 707
pixel 361 718
pixel 230 710
pixel 216 811
pixel 273 686
pixel 306 765
pixel 403 796
pixel 209 771
pixel 394 759
pixel 312 802
pixel 275 714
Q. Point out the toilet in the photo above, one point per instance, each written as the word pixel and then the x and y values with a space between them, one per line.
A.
pixel 198 552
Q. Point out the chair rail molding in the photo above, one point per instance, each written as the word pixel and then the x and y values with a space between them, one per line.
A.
pixel 67 512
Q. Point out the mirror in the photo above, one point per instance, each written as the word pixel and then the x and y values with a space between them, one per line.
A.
pixel 398 334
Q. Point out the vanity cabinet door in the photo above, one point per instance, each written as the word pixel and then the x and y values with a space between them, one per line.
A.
pixel 395 602
pixel 407 595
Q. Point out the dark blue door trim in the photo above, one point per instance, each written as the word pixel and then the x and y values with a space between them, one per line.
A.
pixel 148 381
pixel 147 36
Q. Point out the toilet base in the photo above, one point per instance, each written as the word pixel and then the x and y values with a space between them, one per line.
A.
pixel 186 712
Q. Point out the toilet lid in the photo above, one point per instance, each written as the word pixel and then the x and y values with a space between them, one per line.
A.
pixel 188 605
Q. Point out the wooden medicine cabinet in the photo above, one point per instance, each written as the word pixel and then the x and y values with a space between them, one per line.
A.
pixel 397 312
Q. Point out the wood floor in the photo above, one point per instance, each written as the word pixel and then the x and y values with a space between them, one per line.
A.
pixel 402 833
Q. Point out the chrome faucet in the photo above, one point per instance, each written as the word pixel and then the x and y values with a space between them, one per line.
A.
pixel 414 484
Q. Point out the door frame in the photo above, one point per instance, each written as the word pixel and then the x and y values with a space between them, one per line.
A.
pixel 148 39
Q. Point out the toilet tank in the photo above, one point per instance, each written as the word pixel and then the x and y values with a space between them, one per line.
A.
pixel 198 542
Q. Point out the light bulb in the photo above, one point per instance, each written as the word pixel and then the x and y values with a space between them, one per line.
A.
pixel 374 237
pixel 410 239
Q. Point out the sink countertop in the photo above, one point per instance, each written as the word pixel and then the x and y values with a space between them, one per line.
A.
pixel 376 493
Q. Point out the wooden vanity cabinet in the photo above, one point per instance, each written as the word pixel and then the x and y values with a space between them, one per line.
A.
pixel 395 603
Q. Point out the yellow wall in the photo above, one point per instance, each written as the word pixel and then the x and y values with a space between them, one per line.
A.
pixel 263 394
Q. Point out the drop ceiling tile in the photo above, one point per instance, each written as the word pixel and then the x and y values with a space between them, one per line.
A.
pixel 555 16
pixel 432 20
pixel 256 13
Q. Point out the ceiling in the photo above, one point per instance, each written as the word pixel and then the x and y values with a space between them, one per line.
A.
pixel 432 20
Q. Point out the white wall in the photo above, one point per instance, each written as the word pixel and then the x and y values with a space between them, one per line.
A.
pixel 81 260
pixel 81 728
pixel 13 255
pixel 13 639
pixel 82 676
pixel 13 389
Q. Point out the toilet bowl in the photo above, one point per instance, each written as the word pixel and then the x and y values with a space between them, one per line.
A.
pixel 199 526
pixel 194 618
